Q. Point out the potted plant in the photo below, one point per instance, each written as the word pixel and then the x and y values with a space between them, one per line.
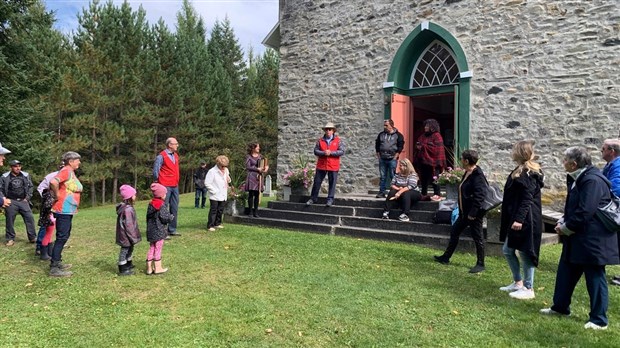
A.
pixel 450 179
pixel 300 177
pixel 236 195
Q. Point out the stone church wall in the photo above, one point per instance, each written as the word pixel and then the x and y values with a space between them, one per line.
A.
pixel 543 70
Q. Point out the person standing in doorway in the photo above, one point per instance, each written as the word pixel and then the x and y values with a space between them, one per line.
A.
pixel 430 158
pixel 167 173
pixel 199 184
pixel 17 186
pixel 328 151
pixel 388 146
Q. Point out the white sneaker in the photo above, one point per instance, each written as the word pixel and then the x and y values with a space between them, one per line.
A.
pixel 523 294
pixel 512 287
pixel 591 325
pixel 386 215
pixel 219 226
pixel 211 229
pixel 403 217
pixel 549 311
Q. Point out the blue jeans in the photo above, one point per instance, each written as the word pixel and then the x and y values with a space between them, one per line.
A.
pixel 63 232
pixel 332 177
pixel 387 169
pixel 200 193
pixel 172 199
pixel 513 263
pixel 40 236
pixel 566 279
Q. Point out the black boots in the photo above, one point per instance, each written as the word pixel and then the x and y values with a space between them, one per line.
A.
pixel 46 252
pixel 124 270
pixel 255 212
pixel 58 269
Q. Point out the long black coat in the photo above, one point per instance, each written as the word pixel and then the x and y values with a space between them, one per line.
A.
pixel 157 220
pixel 592 243
pixel 471 194
pixel 522 204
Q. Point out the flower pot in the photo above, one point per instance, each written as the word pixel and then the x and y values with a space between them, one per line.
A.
pixel 233 207
pixel 299 191
pixel 452 191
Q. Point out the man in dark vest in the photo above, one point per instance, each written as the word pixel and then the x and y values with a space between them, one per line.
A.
pixel 166 172
pixel 388 146
pixel 17 186
pixel 328 150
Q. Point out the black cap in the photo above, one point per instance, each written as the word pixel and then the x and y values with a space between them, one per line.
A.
pixel 14 163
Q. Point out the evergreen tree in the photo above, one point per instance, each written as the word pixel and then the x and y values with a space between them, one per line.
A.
pixel 29 47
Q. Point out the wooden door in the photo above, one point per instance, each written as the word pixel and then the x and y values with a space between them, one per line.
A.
pixel 402 115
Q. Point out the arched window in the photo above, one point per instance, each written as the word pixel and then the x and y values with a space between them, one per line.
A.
pixel 436 67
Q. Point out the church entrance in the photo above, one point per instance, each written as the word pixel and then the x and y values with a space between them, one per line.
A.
pixel 429 78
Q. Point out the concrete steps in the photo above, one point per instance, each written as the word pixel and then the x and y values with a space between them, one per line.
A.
pixel 360 216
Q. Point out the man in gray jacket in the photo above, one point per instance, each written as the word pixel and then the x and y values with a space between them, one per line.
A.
pixel 17 186
pixel 388 146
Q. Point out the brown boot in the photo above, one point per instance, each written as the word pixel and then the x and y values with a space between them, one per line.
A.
pixel 158 268
pixel 149 267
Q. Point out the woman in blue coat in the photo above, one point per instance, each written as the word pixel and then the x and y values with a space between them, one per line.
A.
pixel 587 246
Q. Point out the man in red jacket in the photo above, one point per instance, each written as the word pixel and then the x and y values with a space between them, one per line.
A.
pixel 328 150
pixel 166 172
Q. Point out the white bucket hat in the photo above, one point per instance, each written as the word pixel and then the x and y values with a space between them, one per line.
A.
pixel 4 150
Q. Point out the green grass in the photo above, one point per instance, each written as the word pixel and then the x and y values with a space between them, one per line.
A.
pixel 247 286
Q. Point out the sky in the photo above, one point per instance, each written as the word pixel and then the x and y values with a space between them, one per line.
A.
pixel 251 19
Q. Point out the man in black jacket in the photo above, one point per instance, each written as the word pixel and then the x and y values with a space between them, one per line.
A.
pixel 199 183
pixel 17 186
pixel 388 146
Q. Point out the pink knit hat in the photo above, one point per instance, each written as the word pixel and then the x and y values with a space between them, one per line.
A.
pixel 127 192
pixel 159 190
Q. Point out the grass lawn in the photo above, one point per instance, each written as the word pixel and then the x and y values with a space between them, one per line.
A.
pixel 247 286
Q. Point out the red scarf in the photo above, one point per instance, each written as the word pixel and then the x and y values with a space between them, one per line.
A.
pixel 432 152
pixel 157 203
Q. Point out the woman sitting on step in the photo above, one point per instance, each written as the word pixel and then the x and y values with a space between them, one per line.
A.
pixel 404 190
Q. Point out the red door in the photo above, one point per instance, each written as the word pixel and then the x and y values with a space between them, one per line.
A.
pixel 402 115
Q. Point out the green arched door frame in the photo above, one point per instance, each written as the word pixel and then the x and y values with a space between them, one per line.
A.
pixel 408 53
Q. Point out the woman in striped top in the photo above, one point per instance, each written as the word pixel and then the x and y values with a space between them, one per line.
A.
pixel 404 190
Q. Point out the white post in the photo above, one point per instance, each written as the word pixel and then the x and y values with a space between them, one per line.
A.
pixel 267 192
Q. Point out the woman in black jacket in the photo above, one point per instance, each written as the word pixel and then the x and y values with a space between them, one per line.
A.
pixel 521 224
pixel 587 246
pixel 472 191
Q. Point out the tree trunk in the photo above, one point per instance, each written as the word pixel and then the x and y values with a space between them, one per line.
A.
pixel 115 178
pixel 103 192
